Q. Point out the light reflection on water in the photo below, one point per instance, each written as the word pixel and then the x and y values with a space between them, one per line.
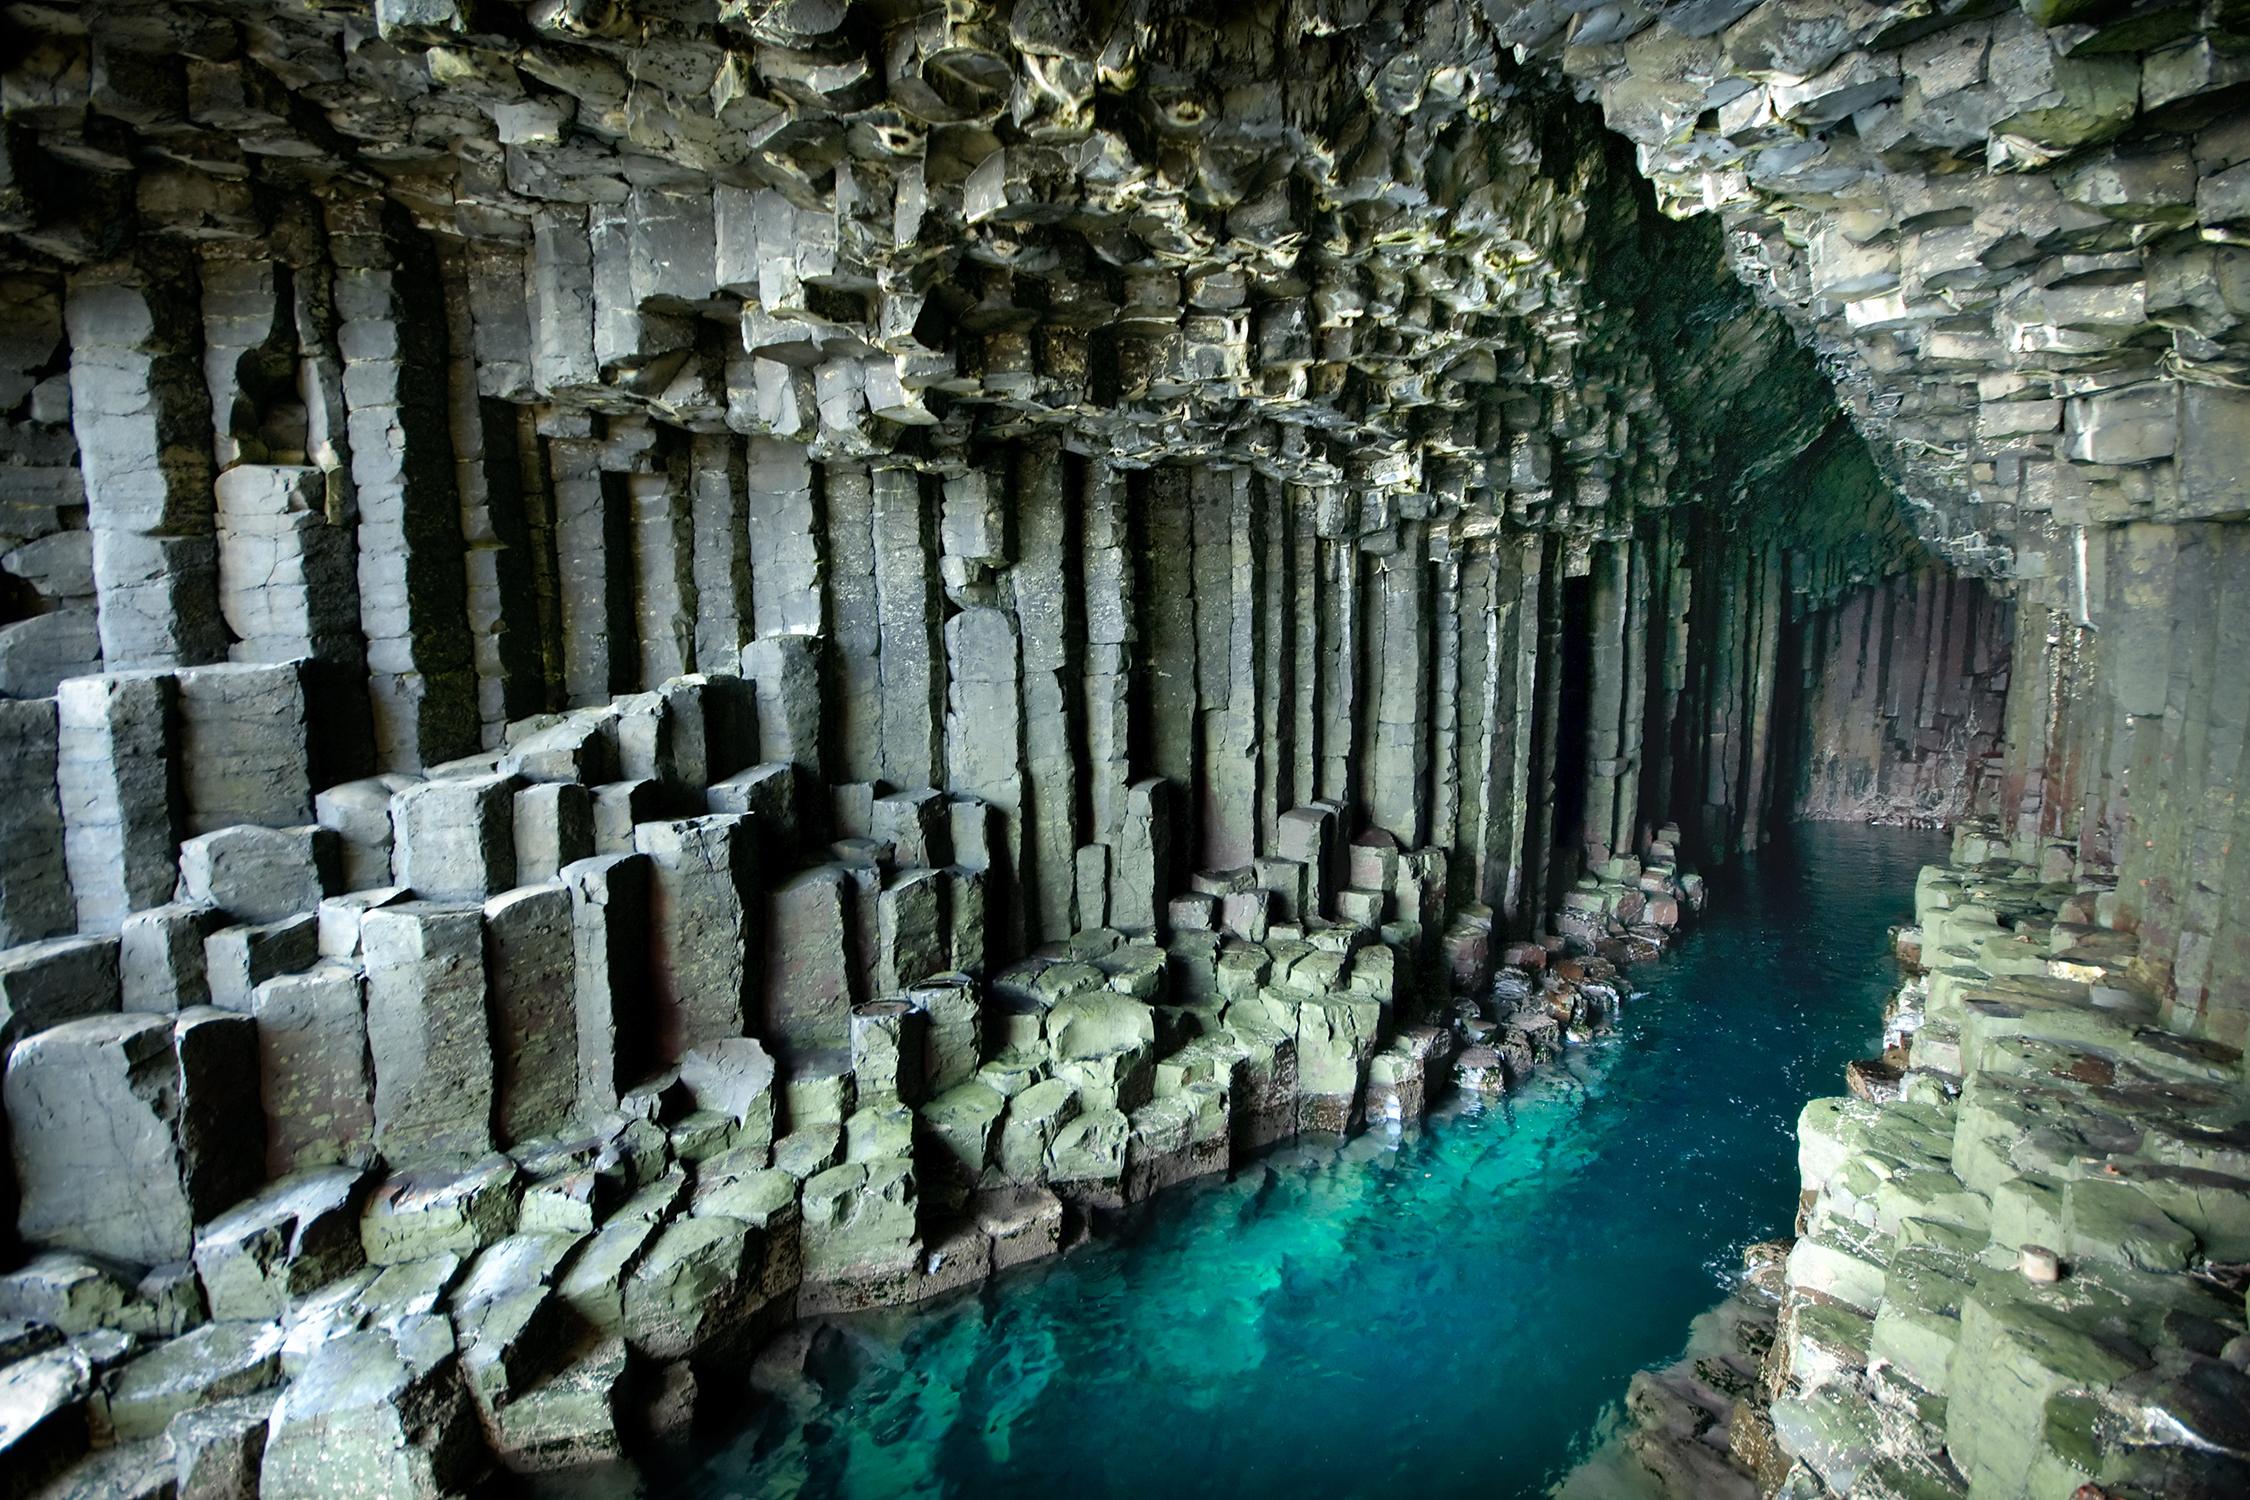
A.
pixel 1454 1313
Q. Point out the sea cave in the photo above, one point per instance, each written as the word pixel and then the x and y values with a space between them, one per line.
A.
pixel 777 749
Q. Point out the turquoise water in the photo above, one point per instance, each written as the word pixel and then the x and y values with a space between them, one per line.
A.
pixel 1456 1313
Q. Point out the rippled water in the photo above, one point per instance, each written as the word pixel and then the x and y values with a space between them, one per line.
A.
pixel 1456 1313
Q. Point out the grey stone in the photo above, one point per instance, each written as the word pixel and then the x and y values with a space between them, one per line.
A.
pixel 609 945
pixel 785 673
pixel 440 1210
pixel 887 1052
pixel 429 1030
pixel 531 987
pixel 236 960
pixel 808 968
pixel 694 1290
pixel 578 747
pixel 258 874
pixel 910 946
pixel 46 983
pixel 313 1069
pixel 110 1119
pixel 45 1425
pixel 161 963
pixel 569 1419
pixel 387 1407
pixel 359 813
pixel 218 1108
pixel 768 792
pixel 259 1258
pixel 859 1219
pixel 71 1295
pixel 661 738
pixel 116 782
pixel 35 895
pixel 952 1033
pixel 734 1077
pixel 702 928
pixel 214 1363
pixel 217 1449
pixel 340 918
pixel 554 827
pixel 454 839
pixel 244 750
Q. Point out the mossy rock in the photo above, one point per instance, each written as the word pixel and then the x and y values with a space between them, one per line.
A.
pixel 1090 1148
pixel 2114 1221
pixel 2029 1210
pixel 1832 1432
pixel 1826 1342
pixel 1931 1194
pixel 2215 1205
pixel 1842 1261
pixel 1919 1324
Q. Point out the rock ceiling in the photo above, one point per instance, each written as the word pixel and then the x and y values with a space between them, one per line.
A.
pixel 1363 247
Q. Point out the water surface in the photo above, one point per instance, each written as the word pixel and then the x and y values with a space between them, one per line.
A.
pixel 1454 1313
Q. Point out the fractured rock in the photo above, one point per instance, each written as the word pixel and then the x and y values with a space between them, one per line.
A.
pixel 46 983
pixel 257 1259
pixel 258 874
pixel 313 1073
pixel 439 1210
pixel 454 837
pixel 702 927
pixel 126 1130
pixel 386 1407
pixel 213 1363
pixel 530 966
pixel 694 1289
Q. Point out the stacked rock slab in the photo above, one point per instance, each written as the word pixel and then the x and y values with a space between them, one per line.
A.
pixel 508 1198
pixel 693 662
pixel 406 1300
pixel 2018 1264
pixel 2047 1126
pixel 705 389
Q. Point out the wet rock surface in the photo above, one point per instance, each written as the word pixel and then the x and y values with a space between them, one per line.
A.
pixel 2018 1269
pixel 412 1329
pixel 662 664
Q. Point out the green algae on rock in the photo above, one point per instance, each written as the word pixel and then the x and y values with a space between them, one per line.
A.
pixel 2043 1122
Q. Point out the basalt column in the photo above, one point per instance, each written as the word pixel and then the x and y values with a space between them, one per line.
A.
pixel 667 667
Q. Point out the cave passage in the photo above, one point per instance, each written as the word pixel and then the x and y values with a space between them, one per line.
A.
pixel 1452 1313
pixel 675 668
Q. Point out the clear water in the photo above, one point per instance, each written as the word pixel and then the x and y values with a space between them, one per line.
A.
pixel 1454 1313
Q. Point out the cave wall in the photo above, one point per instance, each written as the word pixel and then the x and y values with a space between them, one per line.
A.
pixel 2126 749
pixel 1904 692
pixel 560 413
pixel 1255 643
pixel 857 630
pixel 2013 236
pixel 969 601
